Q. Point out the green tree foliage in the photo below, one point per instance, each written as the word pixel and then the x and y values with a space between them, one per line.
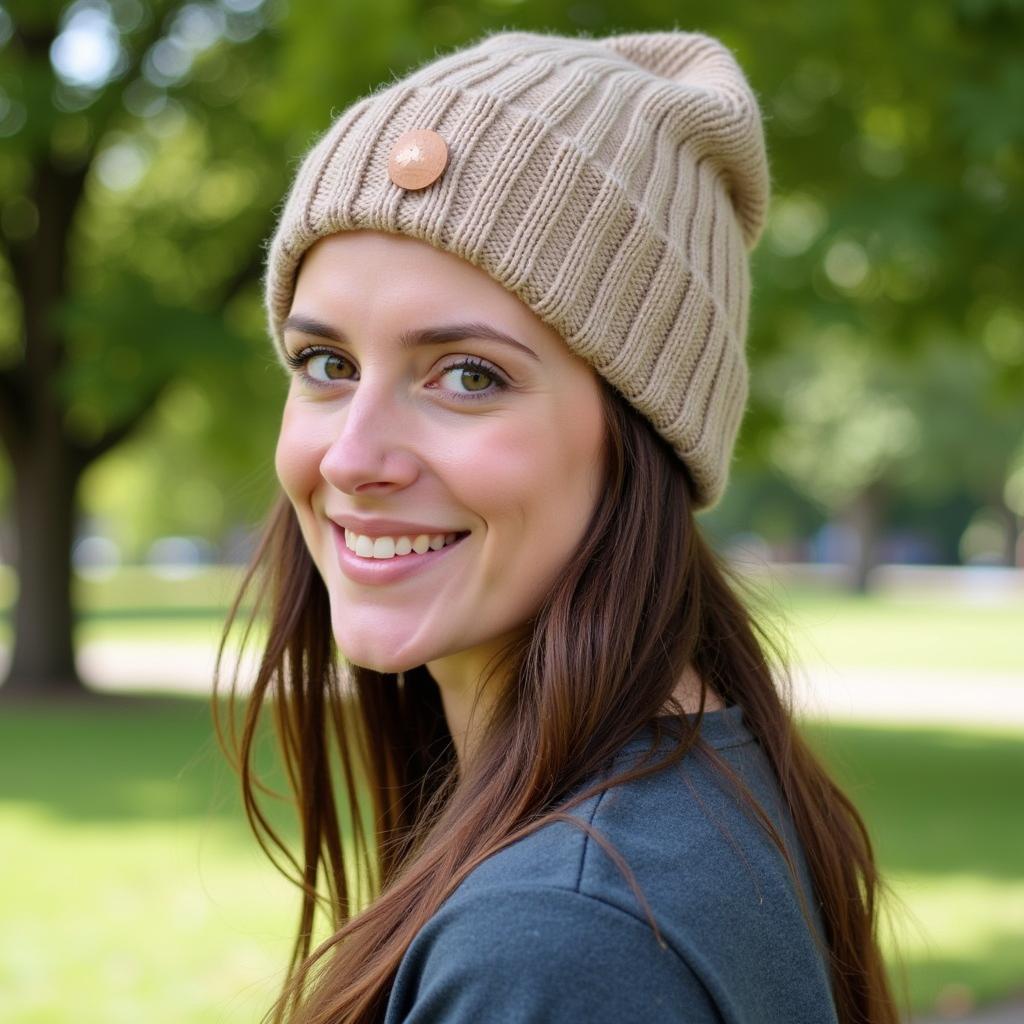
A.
pixel 146 147
pixel 888 336
pixel 122 277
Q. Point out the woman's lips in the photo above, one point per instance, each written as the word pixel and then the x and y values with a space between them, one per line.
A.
pixel 377 571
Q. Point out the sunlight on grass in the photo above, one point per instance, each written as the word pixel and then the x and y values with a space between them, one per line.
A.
pixel 891 631
pixel 943 810
pixel 150 921
pixel 966 931
pixel 137 892
pixel 895 634
pixel 961 914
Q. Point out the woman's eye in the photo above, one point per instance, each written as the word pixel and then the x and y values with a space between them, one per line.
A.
pixel 472 378
pixel 324 366
pixel 468 379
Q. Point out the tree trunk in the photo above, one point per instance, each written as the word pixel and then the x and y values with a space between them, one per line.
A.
pixel 1011 535
pixel 864 515
pixel 47 459
pixel 46 464
pixel 43 660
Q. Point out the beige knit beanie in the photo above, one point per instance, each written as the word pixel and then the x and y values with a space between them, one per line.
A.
pixel 616 185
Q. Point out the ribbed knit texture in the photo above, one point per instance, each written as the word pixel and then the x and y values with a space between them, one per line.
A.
pixel 616 185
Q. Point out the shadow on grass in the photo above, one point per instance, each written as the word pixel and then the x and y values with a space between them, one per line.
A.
pixel 938 802
pixel 935 800
pixel 100 758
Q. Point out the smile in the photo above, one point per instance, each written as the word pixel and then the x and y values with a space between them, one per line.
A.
pixel 393 547
pixel 376 570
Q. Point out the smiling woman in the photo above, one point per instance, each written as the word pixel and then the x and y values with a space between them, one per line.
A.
pixel 514 375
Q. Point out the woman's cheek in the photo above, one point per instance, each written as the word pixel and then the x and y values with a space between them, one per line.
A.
pixel 296 458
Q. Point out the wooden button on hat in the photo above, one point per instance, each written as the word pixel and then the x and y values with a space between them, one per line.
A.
pixel 417 158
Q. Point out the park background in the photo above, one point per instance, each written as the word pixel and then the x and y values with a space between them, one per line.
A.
pixel 876 497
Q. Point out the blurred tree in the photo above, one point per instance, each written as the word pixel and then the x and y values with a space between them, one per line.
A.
pixel 114 299
pixel 146 147
pixel 862 427
pixel 141 170
pixel 888 329
pixel 974 424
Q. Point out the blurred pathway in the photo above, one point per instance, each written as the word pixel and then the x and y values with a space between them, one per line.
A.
pixel 910 695
pixel 820 691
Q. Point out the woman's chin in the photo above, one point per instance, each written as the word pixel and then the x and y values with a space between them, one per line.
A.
pixel 389 666
pixel 378 659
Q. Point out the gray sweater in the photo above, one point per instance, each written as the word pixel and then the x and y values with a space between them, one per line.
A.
pixel 548 929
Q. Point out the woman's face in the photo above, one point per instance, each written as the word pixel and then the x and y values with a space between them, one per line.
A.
pixel 404 420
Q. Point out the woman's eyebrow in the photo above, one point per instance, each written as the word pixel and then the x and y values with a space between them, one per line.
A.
pixel 413 337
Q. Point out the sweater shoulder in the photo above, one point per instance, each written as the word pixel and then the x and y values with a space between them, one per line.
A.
pixel 673 816
pixel 688 853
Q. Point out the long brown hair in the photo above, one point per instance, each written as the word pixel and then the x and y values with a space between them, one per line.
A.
pixel 391 821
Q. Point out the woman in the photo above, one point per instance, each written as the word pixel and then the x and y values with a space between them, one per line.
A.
pixel 511 292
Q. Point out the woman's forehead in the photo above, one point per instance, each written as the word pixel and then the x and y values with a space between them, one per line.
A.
pixel 397 279
pixel 364 252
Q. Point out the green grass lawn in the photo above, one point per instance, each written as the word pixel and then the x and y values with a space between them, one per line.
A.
pixel 921 630
pixel 944 810
pixel 134 891
pixel 918 630
pixel 132 888
pixel 913 631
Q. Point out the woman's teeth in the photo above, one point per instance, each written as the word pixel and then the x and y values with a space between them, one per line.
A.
pixel 390 547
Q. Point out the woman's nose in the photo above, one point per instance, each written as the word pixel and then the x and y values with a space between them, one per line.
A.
pixel 373 448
